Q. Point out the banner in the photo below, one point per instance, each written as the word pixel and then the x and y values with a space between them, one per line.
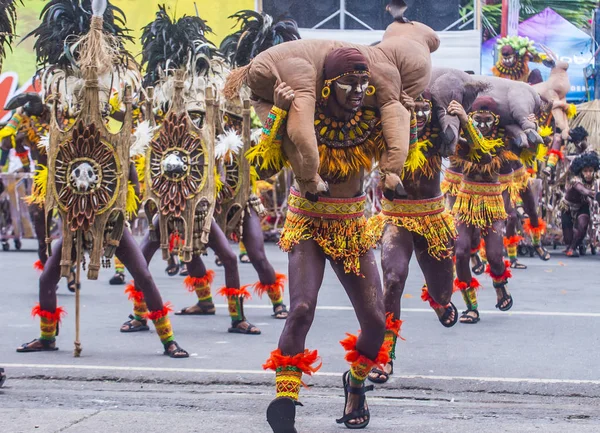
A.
pixel 19 67
pixel 563 38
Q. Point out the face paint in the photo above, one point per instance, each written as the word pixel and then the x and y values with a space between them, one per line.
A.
pixel 345 87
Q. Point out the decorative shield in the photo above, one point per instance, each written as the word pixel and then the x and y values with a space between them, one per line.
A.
pixel 87 182
pixel 179 173
pixel 235 116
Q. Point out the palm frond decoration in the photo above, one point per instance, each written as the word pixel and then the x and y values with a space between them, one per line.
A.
pixel 258 33
pixel 8 22
pixel 63 22
pixel 169 43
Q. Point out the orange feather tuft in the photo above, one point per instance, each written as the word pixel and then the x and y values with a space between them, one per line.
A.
pixel 303 361
pixel 260 289
pixel 191 283
pixel 57 316
pixel 392 325
pixel 530 230
pixel 231 292
pixel 133 294
pixel 512 240
pixel 38 265
pixel 504 276
pixel 156 315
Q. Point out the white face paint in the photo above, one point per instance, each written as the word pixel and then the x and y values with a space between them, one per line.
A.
pixel 348 88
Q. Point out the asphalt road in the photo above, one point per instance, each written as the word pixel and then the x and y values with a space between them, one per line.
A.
pixel 532 369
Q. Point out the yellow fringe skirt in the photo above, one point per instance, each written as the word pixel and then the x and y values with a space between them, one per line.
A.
pixel 451 182
pixel 521 179
pixel 337 225
pixel 479 204
pixel 428 218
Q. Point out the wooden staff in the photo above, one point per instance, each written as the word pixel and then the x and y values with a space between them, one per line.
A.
pixel 78 247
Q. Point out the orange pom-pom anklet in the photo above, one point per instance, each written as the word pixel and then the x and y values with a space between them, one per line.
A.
pixel 460 286
pixel 260 289
pixel 530 230
pixel 231 292
pixel 192 283
pixel 38 265
pixel 55 316
pixel 133 294
pixel 305 361
pixel 502 278
pixel 157 315
pixel 513 240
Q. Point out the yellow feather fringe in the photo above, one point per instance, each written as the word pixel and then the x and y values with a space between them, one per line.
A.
pixel 254 178
pixel 416 159
pixel 571 111
pixel 479 210
pixel 218 182
pixel 437 229
pixel 140 168
pixel 40 186
pixel 545 131
pixel 133 202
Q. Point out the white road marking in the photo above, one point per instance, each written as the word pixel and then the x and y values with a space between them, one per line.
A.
pixel 270 373
pixel 429 311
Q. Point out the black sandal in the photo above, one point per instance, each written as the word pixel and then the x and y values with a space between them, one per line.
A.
pixel 117 279
pixel 361 412
pixel 479 267
pixel 24 348
pixel 281 415
pixel 542 253
pixel 383 377
pixel 235 329
pixel 444 319
pixel 183 272
pixel 514 264
pixel 218 261
pixel 244 258
pixel 130 327
pixel 205 310
pixel 177 352
pixel 173 265
pixel 505 297
pixel 2 377
pixel 469 320
pixel 280 312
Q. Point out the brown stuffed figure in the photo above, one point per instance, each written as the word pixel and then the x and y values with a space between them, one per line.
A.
pixel 555 90
pixel 401 62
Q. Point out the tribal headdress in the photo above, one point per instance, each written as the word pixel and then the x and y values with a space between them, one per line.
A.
pixel 173 44
pixel 514 54
pixel 258 33
pixel 588 159
pixel 578 134
pixel 64 23
pixel 8 22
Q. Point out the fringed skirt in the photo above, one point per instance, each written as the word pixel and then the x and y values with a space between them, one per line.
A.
pixel 428 218
pixel 337 225
pixel 451 182
pixel 479 204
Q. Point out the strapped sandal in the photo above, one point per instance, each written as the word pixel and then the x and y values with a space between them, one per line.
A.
pixel 183 272
pixel 244 258
pixel 281 415
pixel 280 312
pixel 479 267
pixel 173 265
pixel 2 377
pixel 382 375
pixel 470 320
pixel 24 348
pixel 571 253
pixel 514 264
pixel 117 279
pixel 71 285
pixel 361 412
pixel 542 253
pixel 130 327
pixel 205 310
pixel 446 316
pixel 218 261
pixel 177 352
pixel 505 297
pixel 235 329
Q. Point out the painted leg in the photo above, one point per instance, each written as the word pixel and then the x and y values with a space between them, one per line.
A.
pixel 131 255
pixel 534 226
pixel 439 278
pixel 464 282
pixel 291 360
pixel 368 349
pixel 50 314
pixel 498 269
pixel 270 282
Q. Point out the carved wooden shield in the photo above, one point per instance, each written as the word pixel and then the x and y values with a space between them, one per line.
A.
pixel 87 179
pixel 235 115
pixel 180 175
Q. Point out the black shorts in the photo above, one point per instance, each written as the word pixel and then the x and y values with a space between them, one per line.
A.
pixel 568 217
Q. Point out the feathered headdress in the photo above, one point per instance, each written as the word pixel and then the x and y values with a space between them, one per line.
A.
pixel 168 43
pixel 258 33
pixel 63 25
pixel 520 45
pixel 8 22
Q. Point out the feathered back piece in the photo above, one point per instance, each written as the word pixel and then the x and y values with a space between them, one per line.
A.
pixel 64 23
pixel 8 22
pixel 170 44
pixel 258 33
